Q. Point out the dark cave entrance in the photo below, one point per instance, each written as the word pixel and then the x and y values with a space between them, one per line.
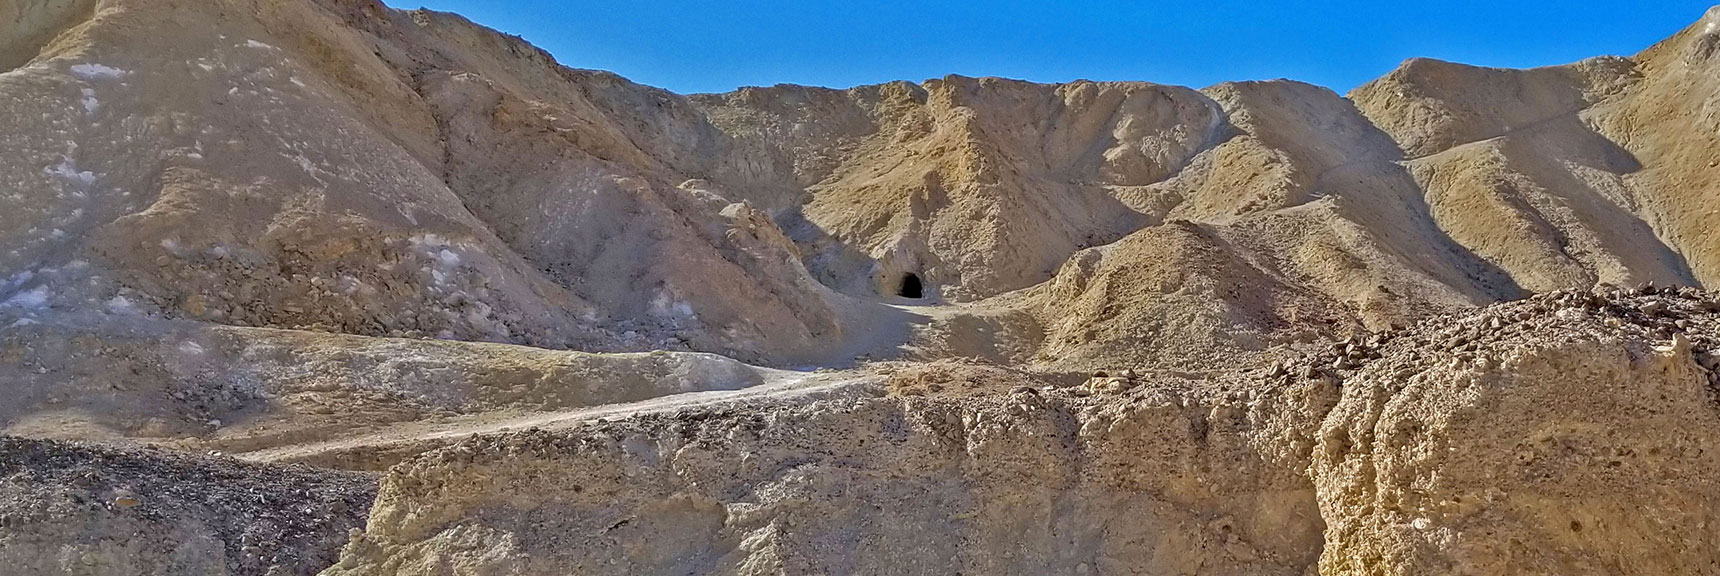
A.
pixel 911 287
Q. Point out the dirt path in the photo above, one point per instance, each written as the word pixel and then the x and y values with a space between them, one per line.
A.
pixel 382 448
pixel 379 449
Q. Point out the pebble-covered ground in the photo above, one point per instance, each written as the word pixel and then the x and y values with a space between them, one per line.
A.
pixel 111 511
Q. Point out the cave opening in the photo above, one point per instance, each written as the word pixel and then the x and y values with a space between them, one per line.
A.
pixel 911 287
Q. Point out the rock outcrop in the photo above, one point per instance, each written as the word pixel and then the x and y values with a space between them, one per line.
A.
pixel 1568 433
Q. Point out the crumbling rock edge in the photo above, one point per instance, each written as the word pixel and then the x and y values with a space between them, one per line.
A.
pixel 1566 433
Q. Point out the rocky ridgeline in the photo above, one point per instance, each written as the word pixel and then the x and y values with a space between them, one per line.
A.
pixel 1675 316
pixel 1684 317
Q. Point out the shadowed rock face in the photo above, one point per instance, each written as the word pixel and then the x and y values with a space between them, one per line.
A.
pixel 329 231
pixel 78 509
pixel 27 27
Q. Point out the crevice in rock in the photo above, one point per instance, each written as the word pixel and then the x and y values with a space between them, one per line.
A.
pixel 911 287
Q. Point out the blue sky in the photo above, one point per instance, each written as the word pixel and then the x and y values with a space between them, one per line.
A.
pixel 718 45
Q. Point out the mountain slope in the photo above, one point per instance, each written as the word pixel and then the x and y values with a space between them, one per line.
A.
pixel 458 183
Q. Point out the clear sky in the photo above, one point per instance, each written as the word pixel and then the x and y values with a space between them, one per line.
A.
pixel 717 45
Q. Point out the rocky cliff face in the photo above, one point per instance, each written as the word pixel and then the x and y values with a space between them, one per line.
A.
pixel 1566 434
pixel 328 231
pixel 1523 440
pixel 1158 479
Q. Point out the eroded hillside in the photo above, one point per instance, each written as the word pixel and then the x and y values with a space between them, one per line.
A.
pixel 1095 327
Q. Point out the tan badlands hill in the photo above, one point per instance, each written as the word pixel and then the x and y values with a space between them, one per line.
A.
pixel 330 232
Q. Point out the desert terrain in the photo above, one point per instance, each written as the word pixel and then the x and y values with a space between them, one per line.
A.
pixel 324 287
